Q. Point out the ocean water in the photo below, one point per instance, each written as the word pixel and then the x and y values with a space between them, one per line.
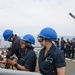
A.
pixel 5 44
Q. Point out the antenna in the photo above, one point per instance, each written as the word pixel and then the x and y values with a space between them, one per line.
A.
pixel 72 15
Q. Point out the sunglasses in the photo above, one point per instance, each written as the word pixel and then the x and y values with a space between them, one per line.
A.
pixel 40 39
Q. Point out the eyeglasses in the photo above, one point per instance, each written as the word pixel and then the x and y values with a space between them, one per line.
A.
pixel 40 39
pixel 22 42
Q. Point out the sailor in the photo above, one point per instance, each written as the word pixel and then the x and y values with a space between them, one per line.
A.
pixel 73 48
pixel 63 47
pixel 67 48
pixel 51 59
pixel 15 48
pixel 27 62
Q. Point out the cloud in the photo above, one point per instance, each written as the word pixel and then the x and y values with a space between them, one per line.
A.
pixel 30 16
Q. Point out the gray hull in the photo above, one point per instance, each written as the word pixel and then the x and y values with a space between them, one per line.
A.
pixel 15 72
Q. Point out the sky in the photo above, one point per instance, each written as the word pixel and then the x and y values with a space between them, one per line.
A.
pixel 30 16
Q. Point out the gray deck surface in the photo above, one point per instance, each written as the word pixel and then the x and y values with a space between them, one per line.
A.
pixel 70 68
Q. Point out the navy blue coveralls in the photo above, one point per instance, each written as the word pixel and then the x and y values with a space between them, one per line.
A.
pixel 28 59
pixel 73 51
pixel 62 46
pixel 15 48
pixel 54 59
pixel 67 49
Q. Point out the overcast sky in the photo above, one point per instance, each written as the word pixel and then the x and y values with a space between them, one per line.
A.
pixel 30 16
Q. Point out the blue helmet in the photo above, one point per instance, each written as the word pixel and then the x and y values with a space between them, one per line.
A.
pixel 29 38
pixel 7 34
pixel 48 33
